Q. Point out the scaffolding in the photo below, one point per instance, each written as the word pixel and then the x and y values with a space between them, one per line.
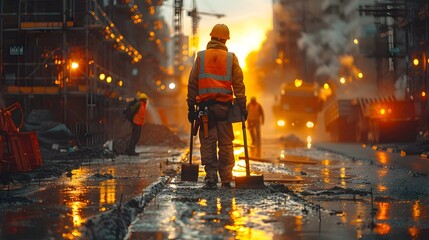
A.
pixel 69 56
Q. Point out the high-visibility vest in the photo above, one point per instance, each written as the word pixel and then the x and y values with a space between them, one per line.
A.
pixel 254 112
pixel 214 78
pixel 140 114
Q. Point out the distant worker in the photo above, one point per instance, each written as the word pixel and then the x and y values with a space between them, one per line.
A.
pixel 137 111
pixel 215 78
pixel 254 121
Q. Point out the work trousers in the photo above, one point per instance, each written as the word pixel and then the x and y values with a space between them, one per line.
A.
pixel 135 137
pixel 255 132
pixel 254 128
pixel 220 137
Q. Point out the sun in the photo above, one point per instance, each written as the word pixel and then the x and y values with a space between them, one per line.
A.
pixel 245 38
pixel 246 41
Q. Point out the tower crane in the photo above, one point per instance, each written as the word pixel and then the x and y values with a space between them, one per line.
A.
pixel 178 35
pixel 195 15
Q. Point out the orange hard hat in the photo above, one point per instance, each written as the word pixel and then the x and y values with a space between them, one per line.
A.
pixel 220 31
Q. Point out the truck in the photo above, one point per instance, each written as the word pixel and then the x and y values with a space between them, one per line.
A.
pixel 372 119
pixel 296 108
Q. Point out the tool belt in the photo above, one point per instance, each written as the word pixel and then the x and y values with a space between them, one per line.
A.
pixel 203 119
pixel 208 113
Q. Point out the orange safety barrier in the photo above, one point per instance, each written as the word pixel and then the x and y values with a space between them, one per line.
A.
pixel 19 152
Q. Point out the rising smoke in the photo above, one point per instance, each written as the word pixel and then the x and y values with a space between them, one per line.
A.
pixel 328 47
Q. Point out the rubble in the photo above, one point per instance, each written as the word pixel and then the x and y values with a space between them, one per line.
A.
pixel 155 134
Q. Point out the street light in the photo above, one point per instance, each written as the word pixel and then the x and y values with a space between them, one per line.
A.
pixel 172 85
pixel 74 65
pixel 102 76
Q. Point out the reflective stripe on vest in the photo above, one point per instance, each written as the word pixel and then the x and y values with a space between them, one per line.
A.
pixel 214 79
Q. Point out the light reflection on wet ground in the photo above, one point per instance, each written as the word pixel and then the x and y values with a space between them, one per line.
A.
pixel 358 199
pixel 397 209
pixel 64 204
pixel 400 201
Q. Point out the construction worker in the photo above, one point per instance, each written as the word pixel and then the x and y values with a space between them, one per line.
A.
pixel 254 121
pixel 138 110
pixel 215 78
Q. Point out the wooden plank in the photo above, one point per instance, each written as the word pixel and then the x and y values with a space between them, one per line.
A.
pixel 288 159
pixel 275 177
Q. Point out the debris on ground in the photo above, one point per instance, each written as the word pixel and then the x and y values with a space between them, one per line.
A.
pixel 155 134
pixel 292 141
pixel 50 134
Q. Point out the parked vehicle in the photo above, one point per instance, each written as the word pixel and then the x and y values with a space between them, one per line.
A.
pixel 373 120
pixel 296 108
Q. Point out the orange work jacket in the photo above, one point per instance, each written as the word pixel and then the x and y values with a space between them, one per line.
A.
pixel 214 78
pixel 140 114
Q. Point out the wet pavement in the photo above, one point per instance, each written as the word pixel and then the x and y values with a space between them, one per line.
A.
pixel 58 207
pixel 332 196
pixel 327 191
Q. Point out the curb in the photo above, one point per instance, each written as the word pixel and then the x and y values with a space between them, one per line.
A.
pixel 113 224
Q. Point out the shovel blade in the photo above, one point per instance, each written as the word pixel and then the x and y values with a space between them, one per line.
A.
pixel 250 182
pixel 189 172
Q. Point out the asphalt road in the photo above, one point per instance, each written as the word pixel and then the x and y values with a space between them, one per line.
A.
pixel 382 154
pixel 344 192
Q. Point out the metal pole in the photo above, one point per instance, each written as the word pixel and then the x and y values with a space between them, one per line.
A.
pixel 1 44
pixel 246 151
pixel 66 62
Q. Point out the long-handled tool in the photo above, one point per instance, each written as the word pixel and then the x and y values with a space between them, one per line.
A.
pixel 190 171
pixel 248 181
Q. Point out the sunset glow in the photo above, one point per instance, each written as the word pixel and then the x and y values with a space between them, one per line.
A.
pixel 245 38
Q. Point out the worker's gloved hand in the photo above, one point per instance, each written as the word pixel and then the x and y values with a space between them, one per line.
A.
pixel 241 102
pixel 192 115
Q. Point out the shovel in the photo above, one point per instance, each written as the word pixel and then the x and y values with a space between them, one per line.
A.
pixel 190 171
pixel 248 181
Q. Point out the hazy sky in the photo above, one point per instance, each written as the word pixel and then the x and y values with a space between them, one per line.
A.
pixel 248 21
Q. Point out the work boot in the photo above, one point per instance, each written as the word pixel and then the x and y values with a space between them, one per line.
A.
pixel 226 185
pixel 210 185
pixel 132 153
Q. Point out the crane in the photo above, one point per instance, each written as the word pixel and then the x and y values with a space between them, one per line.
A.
pixel 178 35
pixel 195 15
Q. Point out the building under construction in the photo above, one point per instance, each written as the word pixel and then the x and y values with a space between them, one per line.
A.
pixel 82 60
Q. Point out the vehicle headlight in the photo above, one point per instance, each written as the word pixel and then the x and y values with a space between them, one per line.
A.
pixel 281 123
pixel 309 124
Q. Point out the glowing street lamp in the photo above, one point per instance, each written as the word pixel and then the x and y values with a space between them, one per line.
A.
pixel 74 65
pixel 102 76
pixel 172 86
pixel 109 79
pixel 416 62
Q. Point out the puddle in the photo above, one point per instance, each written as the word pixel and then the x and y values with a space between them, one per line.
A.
pixel 63 205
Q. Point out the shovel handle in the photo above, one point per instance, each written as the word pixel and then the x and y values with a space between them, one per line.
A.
pixel 246 152
pixel 191 142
